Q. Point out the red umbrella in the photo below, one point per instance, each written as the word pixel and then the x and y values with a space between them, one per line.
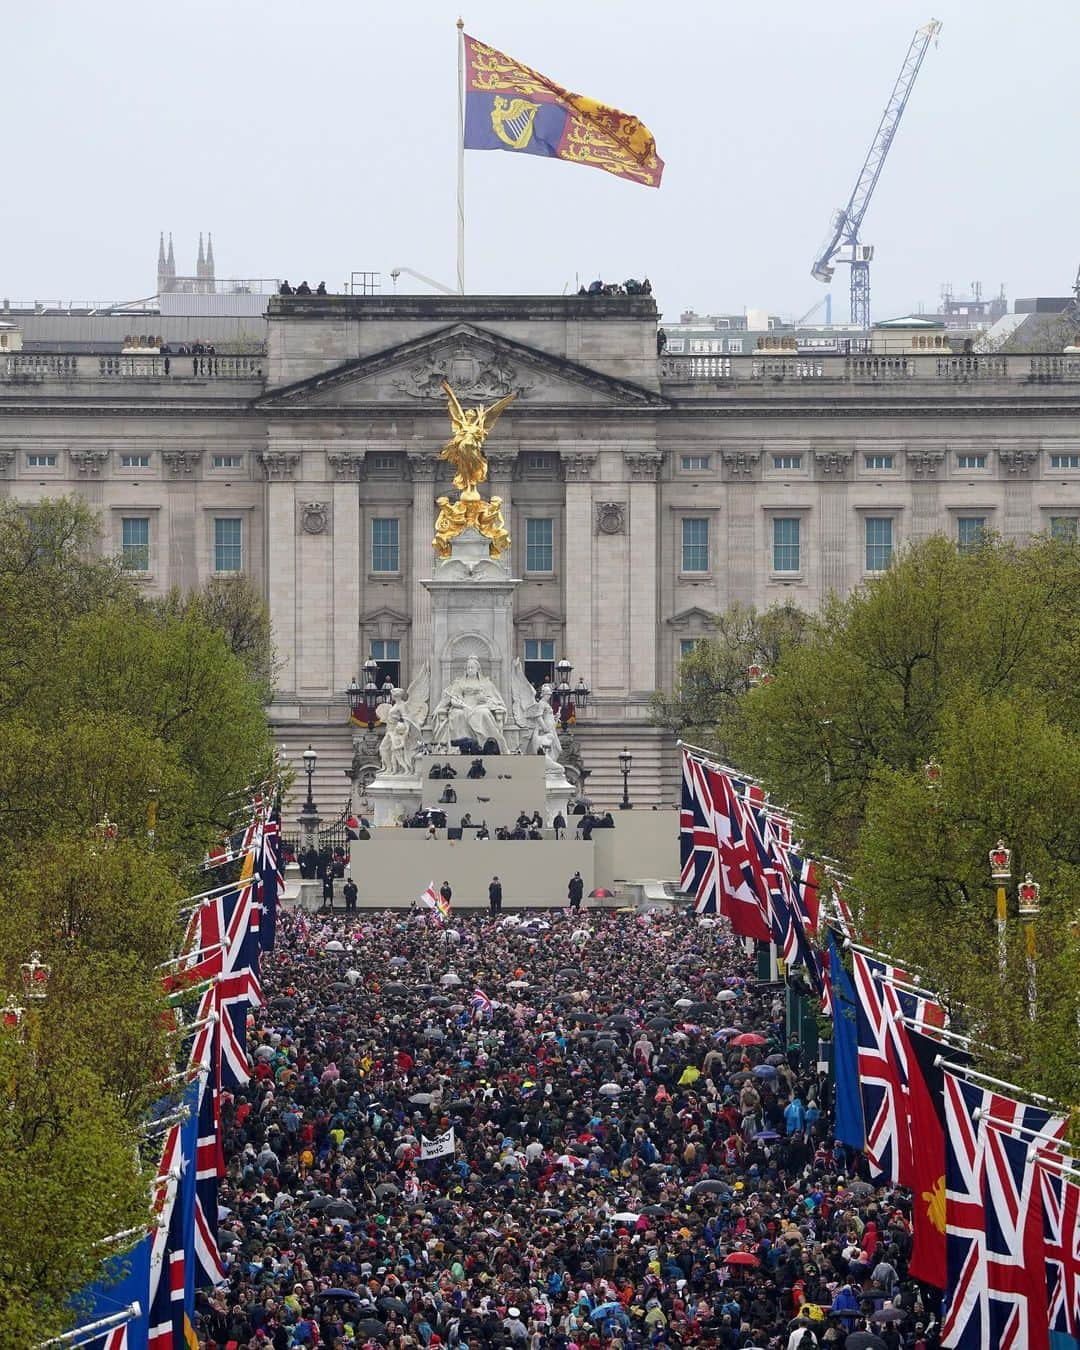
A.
pixel 748 1038
pixel 601 893
pixel 741 1259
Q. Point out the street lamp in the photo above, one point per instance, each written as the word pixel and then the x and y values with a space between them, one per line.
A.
pixel 1001 872
pixel 310 758
pixel 567 700
pixel 1028 896
pixel 35 977
pixel 626 760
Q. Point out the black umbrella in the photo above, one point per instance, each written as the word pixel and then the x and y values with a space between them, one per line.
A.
pixel 567 973
pixel 318 1203
pixel 341 984
pixel 711 1187
pixel 888 1314
pixel 582 1017
pixel 389 1303
pixel 439 1001
pixel 395 987
pixel 864 1340
pixel 654 1211
pixel 619 1020
pixel 776 1059
pixel 461 1105
pixel 371 1329
pixel 659 1023
pixel 341 1293
pixel 341 1209
pixel 384 1189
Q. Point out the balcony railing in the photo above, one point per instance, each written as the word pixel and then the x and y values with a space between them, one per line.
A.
pixel 35 368
pixel 762 369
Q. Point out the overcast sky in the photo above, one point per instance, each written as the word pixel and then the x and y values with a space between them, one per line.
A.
pixel 319 137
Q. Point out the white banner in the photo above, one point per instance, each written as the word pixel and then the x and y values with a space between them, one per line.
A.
pixel 442 1146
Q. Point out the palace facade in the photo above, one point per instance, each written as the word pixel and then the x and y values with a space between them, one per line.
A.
pixel 643 492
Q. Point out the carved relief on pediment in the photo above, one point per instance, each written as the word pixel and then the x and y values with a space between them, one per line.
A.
pixel 473 373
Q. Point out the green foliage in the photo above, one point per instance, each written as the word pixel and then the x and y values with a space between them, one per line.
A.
pixel 968 659
pixel 705 707
pixel 145 713
pixel 233 607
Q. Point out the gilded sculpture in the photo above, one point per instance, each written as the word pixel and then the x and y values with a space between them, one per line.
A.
pixel 465 451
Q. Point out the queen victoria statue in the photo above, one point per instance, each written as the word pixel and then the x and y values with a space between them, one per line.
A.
pixel 470 708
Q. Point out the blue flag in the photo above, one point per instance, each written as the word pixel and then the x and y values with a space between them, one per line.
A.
pixel 849 1113
pixel 125 1280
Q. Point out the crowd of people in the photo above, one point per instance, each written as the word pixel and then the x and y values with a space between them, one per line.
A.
pixel 631 1151
pixel 302 289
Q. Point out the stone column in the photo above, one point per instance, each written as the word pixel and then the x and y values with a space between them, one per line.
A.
pixel 347 469
pixel 839 566
pixel 740 565
pixel 279 467
pixel 7 465
pixel 182 571
pixel 422 470
pixel 644 467
pixel 578 551
pixel 501 466
pixel 924 465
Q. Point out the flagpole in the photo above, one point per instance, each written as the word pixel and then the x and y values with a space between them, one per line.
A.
pixel 461 158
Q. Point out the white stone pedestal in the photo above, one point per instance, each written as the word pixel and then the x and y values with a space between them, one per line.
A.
pixel 394 795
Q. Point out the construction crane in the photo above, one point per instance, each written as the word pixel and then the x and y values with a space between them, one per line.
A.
pixel 843 244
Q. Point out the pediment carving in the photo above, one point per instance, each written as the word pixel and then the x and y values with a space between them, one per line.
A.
pixel 472 371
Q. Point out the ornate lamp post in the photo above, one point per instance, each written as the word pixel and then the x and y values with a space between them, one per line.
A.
pixel 566 700
pixel 1029 908
pixel 1001 872
pixel 309 817
pixel 11 1015
pixel 626 761
pixel 35 977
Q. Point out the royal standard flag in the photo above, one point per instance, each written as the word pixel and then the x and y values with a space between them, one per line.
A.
pixel 510 107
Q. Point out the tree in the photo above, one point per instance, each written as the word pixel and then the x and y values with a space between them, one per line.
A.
pixel 966 659
pixel 705 707
pixel 233 607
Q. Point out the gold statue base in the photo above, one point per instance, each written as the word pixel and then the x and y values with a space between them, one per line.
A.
pixel 470 511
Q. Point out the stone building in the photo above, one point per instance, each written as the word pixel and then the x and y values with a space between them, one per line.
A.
pixel 642 493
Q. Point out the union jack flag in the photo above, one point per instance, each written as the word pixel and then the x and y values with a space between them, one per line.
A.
pixel 706 863
pixel 883 1073
pixel 1061 1250
pixel 986 1225
pixel 481 1004
pixel 1015 1277
pixel 271 877
pixel 743 886
pixel 209 1160
pixel 171 1282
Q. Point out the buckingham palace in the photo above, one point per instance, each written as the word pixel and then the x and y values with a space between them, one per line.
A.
pixel 643 490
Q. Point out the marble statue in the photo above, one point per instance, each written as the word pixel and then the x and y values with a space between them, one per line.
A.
pixel 536 717
pixel 471 707
pixel 403 718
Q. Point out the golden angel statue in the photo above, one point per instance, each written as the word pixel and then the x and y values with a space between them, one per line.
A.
pixel 465 451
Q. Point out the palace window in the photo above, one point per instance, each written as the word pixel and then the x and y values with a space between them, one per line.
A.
pixel 787 461
pixel 686 646
pixel 385 544
pixel 41 461
pixel 539 544
pixel 1063 528
pixel 695 544
pixel 387 651
pixel 134 461
pixel 787 550
pixel 226 461
pixel 539 660
pixel 1065 461
pixel 135 543
pixel 696 463
pixel 228 544
pixel 879 461
pixel 971 461
pixel 879 542
pixel 970 532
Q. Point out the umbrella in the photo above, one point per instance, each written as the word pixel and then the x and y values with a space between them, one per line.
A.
pixel 341 1209
pixel 610 1310
pixel 775 1059
pixel 421 1099
pixel 450 979
pixel 385 1188
pixel 619 1020
pixel 684 1003
pixel 610 1089
pixel 434 1034
pixel 858 1187
pixel 725 995
pixel 371 1329
pixel 341 1293
pixel 741 1077
pixel 741 1258
pixel 711 1187
pixel 518 984
pixel 397 961
pixel 335 946
pixel 460 1104
pixel 766 1134
pixel 888 1314
pixel 659 1023
pixel 765 1071
pixel 864 1340
pixel 439 1001
pixel 625 1217
pixel 341 984
pixel 395 987
pixel 601 893
pixel 654 1211
pixel 727 1031
pixel 388 1302
pixel 567 973
pixel 749 1038
pixel 582 1017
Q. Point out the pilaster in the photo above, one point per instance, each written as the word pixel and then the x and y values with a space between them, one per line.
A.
pixel 644 467
pixel 348 547
pixel 279 467
pixel 422 468
pixel 501 467
pixel 578 578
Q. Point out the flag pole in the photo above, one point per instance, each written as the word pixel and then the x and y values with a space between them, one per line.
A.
pixel 461 157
